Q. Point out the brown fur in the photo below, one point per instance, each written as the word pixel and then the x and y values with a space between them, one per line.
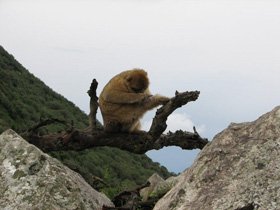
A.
pixel 125 99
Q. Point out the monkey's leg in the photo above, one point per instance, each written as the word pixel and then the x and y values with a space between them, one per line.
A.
pixel 112 126
pixel 136 126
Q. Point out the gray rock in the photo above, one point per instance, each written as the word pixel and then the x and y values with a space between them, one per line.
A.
pixel 158 187
pixel 155 180
pixel 239 169
pixel 31 179
pixel 163 187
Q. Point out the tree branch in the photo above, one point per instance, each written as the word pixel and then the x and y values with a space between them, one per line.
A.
pixel 138 143
pixel 159 122
pixel 93 105
pixel 42 123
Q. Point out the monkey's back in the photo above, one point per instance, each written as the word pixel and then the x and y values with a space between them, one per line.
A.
pixel 117 111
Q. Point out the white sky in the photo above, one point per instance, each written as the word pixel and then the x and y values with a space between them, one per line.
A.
pixel 229 50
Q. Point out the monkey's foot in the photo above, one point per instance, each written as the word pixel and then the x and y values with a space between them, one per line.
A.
pixel 112 126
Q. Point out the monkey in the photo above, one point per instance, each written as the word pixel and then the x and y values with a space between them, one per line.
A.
pixel 125 99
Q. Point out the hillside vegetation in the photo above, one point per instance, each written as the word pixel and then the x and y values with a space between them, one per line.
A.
pixel 25 100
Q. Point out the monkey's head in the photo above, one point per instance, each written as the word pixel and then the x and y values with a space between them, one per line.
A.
pixel 137 81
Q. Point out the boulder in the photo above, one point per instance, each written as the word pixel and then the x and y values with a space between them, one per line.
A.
pixel 154 180
pixel 31 179
pixel 239 169
pixel 158 187
pixel 163 187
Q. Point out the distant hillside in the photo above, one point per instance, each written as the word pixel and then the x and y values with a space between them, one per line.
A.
pixel 25 99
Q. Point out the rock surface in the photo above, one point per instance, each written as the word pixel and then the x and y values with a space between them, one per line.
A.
pixel 158 187
pixel 239 169
pixel 163 187
pixel 154 180
pixel 31 179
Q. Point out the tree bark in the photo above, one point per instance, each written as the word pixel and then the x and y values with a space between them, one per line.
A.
pixel 139 143
pixel 93 105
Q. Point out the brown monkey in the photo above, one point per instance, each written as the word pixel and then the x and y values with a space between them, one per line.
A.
pixel 125 99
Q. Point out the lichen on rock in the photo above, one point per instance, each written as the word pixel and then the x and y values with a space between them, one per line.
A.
pixel 31 179
pixel 158 187
pixel 239 169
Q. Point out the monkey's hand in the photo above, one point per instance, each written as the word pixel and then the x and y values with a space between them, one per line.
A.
pixel 153 101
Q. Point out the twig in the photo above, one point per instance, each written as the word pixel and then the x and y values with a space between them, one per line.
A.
pixel 93 105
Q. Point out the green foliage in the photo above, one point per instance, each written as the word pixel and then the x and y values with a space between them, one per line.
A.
pixel 25 99
pixel 119 169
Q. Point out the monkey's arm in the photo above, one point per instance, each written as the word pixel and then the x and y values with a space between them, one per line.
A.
pixel 154 101
pixel 118 97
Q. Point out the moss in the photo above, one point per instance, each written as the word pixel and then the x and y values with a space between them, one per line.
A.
pixel 37 166
pixel 40 184
pixel 260 166
pixel 173 204
pixel 18 174
pixel 181 192
pixel 28 198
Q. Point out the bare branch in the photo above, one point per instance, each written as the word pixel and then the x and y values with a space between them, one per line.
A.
pixel 129 199
pixel 138 143
pixel 45 123
pixel 159 122
pixel 33 131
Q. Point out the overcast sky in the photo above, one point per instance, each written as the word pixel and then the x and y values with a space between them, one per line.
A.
pixel 229 50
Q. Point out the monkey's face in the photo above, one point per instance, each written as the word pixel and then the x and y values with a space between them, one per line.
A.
pixel 138 81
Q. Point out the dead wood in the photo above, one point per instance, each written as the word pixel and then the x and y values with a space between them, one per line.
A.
pixel 131 200
pixel 93 105
pixel 139 143
pixel 128 200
